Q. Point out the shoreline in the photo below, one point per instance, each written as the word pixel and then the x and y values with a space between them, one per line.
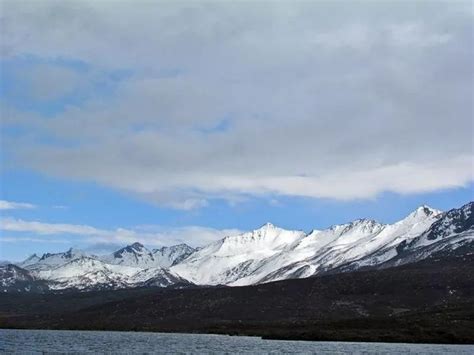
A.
pixel 469 344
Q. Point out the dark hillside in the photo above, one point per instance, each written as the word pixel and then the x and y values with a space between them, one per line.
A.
pixel 428 301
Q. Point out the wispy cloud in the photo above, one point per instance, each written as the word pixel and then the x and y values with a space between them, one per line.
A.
pixel 151 235
pixel 19 239
pixel 9 205
pixel 19 225
pixel 60 207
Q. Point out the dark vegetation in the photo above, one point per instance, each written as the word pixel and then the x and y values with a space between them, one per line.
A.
pixel 430 301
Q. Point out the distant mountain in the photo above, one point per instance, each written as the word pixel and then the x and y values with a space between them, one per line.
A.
pixel 168 256
pixel 270 253
pixel 33 259
pixel 266 254
pixel 131 266
pixel 235 257
pixel 452 233
pixel 138 255
pixel 51 260
pixel 16 279
pixel 132 255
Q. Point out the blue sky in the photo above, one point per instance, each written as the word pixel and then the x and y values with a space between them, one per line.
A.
pixel 169 123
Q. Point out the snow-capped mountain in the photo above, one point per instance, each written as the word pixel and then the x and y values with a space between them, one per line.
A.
pixel 16 279
pixel 362 243
pixel 48 261
pixel 301 255
pixel 168 256
pixel 131 255
pixel 266 254
pixel 33 259
pixel 232 258
pixel 453 232
pixel 131 266
pixel 84 273
pixel 455 222
pixel 138 255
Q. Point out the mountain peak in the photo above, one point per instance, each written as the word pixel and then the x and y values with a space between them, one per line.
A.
pixel 267 226
pixel 73 253
pixel 137 245
pixel 135 248
pixel 172 248
pixel 364 221
pixel 424 211
pixel 425 208
pixel 30 260
pixel 362 224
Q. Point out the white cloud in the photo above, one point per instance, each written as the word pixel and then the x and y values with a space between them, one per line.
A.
pixel 4 239
pixel 149 235
pixel 19 225
pixel 229 101
pixel 9 205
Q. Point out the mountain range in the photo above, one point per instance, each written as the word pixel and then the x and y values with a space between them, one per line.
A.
pixel 264 255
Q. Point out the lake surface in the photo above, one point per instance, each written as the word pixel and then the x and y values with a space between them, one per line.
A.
pixel 59 341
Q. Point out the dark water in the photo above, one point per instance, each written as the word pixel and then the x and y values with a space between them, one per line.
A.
pixel 52 341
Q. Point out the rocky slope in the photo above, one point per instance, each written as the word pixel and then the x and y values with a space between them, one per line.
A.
pixel 16 279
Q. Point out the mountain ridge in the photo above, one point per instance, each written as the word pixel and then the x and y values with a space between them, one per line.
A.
pixel 266 254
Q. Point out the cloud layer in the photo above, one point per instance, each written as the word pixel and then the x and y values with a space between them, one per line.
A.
pixel 229 101
pixel 149 235
pixel 10 205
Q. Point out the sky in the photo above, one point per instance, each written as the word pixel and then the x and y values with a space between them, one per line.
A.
pixel 181 121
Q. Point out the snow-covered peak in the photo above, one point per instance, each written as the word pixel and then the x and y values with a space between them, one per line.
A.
pixel 52 260
pixel 132 255
pixel 267 226
pixel 168 256
pixel 174 248
pixel 455 221
pixel 60 258
pixel 422 212
pixel 359 226
pixel 267 237
pixel 135 248
pixel 234 256
pixel 74 253
pixel 32 259
pixel 363 225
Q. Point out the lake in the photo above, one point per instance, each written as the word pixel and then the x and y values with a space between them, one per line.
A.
pixel 44 341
